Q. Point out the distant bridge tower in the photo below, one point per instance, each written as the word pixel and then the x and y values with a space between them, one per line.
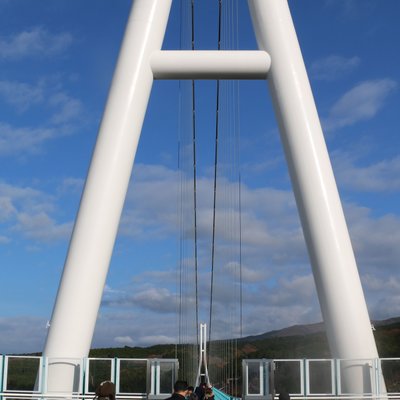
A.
pixel 202 372
pixel 325 231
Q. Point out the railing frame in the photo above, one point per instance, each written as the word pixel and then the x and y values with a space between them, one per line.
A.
pixel 267 371
pixel 153 377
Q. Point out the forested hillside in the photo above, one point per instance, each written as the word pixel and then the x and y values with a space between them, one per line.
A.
pixel 308 345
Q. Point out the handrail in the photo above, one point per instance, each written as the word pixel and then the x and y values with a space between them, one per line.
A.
pixel 12 368
pixel 27 377
pixel 220 395
pixel 376 378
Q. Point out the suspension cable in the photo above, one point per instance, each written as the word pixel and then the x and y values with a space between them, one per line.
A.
pixel 223 344
pixel 195 186
pixel 188 334
pixel 240 259
pixel 180 309
pixel 215 177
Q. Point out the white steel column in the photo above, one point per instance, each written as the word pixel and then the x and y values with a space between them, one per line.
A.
pixel 81 287
pixel 335 271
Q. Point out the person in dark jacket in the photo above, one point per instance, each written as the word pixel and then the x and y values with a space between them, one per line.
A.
pixel 180 391
pixel 190 395
pixel 201 391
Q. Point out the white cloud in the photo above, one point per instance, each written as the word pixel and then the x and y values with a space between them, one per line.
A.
pixel 15 140
pixel 26 198
pixel 359 104
pixel 4 240
pixel 248 274
pixel 47 92
pixel 265 317
pixel 6 208
pixel 384 290
pixel 159 339
pixel 375 239
pixel 68 108
pixel 72 185
pixel 269 304
pixel 381 176
pixel 123 340
pixel 27 212
pixel 275 269
pixel 42 228
pixel 61 115
pixel 143 328
pixel 278 285
pixel 34 42
pixel 157 299
pixel 351 8
pixel 333 67
pixel 270 223
pixel 21 95
pixel 380 284
pixel 14 336
pixel 167 276
pixel 151 204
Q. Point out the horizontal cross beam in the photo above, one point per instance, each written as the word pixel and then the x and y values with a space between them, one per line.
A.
pixel 210 64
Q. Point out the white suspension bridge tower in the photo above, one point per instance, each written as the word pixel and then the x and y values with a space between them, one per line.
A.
pixel 277 60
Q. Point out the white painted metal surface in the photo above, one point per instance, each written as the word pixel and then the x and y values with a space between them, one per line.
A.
pixel 258 382
pixel 302 382
pixel 335 271
pixel 210 64
pixel 17 380
pixel 202 357
pixel 80 291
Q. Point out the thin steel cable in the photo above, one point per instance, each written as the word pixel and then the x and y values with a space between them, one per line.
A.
pixel 240 260
pixel 195 184
pixel 215 178
pixel 180 310
pixel 188 278
pixel 230 225
pixel 227 171
pixel 239 194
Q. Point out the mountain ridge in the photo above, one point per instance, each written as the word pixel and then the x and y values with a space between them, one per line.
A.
pixel 309 329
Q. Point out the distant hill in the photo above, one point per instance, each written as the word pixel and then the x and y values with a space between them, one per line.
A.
pixel 298 341
pixel 386 322
pixel 309 329
pixel 295 342
pixel 295 330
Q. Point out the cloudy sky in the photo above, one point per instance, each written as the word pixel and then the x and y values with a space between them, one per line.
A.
pixel 56 64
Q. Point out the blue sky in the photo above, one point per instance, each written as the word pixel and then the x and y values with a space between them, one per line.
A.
pixel 56 64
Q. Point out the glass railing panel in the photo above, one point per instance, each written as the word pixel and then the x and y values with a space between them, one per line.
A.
pixel 22 373
pixel 288 376
pixel 356 377
pixel 390 368
pixel 98 370
pixel 320 377
pixel 167 377
pixel 1 371
pixel 132 376
pixel 254 378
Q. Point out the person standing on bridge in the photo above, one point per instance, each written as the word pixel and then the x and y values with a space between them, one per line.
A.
pixel 209 395
pixel 201 391
pixel 180 391
pixel 190 395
